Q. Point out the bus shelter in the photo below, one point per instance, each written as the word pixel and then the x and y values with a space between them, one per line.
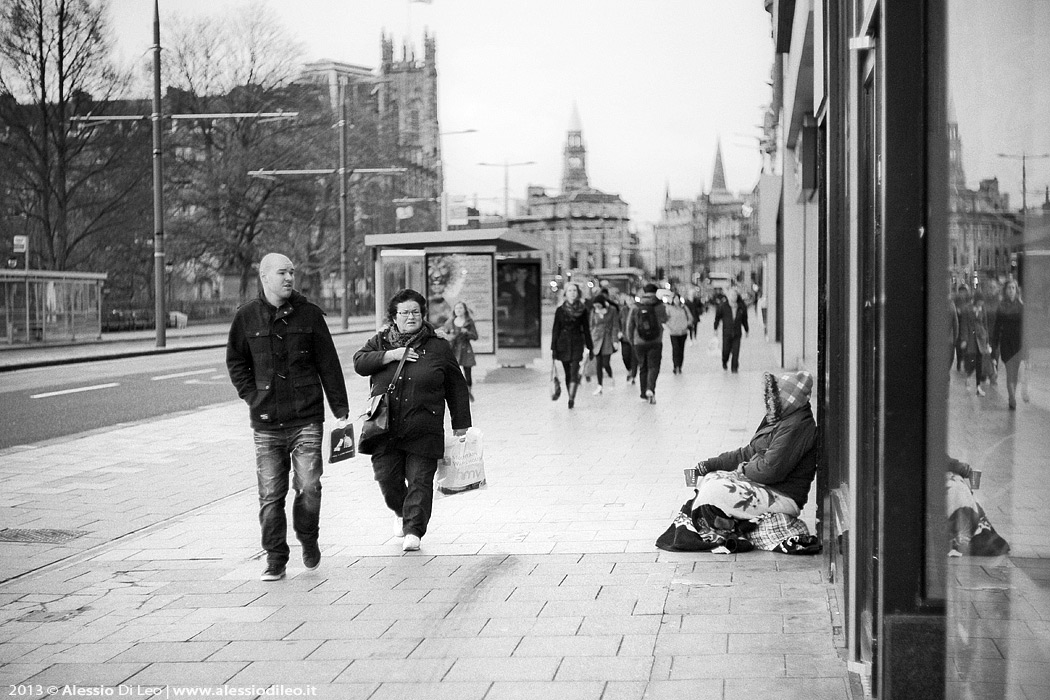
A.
pixel 45 306
pixel 495 272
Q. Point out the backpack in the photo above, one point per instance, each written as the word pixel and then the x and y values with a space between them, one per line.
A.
pixel 647 323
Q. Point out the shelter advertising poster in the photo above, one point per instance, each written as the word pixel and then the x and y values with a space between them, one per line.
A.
pixel 467 278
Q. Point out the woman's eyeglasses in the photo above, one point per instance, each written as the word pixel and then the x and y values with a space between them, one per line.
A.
pixel 406 314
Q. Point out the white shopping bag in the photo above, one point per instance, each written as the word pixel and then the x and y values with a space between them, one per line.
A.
pixel 463 467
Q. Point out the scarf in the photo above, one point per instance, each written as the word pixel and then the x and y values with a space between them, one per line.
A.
pixel 401 340
pixel 575 310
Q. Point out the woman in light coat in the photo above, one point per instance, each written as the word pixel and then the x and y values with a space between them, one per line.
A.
pixel 679 321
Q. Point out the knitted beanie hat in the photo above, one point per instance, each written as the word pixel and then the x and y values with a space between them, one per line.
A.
pixel 787 393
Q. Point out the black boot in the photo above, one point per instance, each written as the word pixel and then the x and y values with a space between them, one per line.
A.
pixel 572 393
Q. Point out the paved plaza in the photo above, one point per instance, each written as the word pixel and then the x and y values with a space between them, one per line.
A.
pixel 545 584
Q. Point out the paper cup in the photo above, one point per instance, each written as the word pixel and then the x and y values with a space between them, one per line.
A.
pixel 975 479
pixel 690 477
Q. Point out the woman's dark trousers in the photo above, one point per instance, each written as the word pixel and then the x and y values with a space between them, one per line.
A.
pixel 407 483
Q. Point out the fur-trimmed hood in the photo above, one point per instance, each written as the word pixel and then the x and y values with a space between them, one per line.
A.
pixel 786 394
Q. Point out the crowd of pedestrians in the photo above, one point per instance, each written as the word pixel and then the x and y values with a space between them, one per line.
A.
pixel 586 334
pixel 986 336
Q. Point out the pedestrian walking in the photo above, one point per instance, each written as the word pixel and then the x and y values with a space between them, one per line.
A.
pixel 405 460
pixel 283 363
pixel 679 321
pixel 992 299
pixel 570 336
pixel 731 315
pixel 645 328
pixel 1009 338
pixel 696 307
pixel 973 332
pixel 626 348
pixel 962 304
pixel 459 331
pixel 605 329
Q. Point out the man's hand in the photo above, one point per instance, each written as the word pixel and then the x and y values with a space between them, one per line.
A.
pixel 459 432
pixel 342 422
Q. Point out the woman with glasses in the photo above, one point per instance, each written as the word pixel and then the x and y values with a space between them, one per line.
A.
pixel 406 460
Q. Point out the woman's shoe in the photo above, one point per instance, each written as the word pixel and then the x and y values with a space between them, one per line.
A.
pixel 980 390
pixel 598 391
pixel 411 543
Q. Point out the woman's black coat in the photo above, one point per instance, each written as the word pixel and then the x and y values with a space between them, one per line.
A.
pixel 571 335
pixel 417 407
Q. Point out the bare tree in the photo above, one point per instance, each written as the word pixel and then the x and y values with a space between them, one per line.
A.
pixel 242 62
pixel 70 187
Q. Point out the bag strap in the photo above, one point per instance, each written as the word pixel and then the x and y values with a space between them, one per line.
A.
pixel 393 381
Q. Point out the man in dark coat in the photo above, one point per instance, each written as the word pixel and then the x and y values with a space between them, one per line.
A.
pixel 283 363
pixel 731 314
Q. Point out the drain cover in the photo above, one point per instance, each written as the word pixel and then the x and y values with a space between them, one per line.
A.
pixel 40 536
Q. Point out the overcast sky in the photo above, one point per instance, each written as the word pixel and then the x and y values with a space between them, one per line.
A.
pixel 657 83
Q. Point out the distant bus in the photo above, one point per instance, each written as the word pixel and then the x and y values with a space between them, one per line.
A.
pixel 620 280
pixel 720 280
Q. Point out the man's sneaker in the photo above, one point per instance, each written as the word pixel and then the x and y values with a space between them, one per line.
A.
pixel 980 390
pixel 651 396
pixel 598 391
pixel 399 529
pixel 273 572
pixel 311 556
pixel 411 544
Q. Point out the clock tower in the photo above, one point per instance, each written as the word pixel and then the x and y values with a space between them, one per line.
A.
pixel 574 166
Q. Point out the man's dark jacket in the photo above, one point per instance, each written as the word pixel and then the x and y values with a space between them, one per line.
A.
pixel 283 363
pixel 417 407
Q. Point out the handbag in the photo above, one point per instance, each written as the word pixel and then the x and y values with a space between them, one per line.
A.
pixel 377 416
pixel 555 382
pixel 342 444
pixel 589 367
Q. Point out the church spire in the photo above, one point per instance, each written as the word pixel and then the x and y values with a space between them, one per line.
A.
pixel 718 180
pixel 574 165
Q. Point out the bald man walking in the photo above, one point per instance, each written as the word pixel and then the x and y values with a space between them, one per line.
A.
pixel 283 363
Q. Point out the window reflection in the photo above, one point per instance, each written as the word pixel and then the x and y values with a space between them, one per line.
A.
pixel 998 270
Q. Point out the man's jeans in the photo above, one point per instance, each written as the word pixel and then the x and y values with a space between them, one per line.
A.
pixel 276 453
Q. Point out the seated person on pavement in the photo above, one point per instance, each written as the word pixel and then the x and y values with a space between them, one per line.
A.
pixel 769 474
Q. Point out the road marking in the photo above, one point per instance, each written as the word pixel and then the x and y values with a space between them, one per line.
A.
pixel 74 391
pixel 183 374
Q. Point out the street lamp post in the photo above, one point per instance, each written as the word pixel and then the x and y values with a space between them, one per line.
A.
pixel 1023 157
pixel 506 182
pixel 158 188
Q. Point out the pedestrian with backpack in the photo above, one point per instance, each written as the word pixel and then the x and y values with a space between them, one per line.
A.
pixel 645 328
